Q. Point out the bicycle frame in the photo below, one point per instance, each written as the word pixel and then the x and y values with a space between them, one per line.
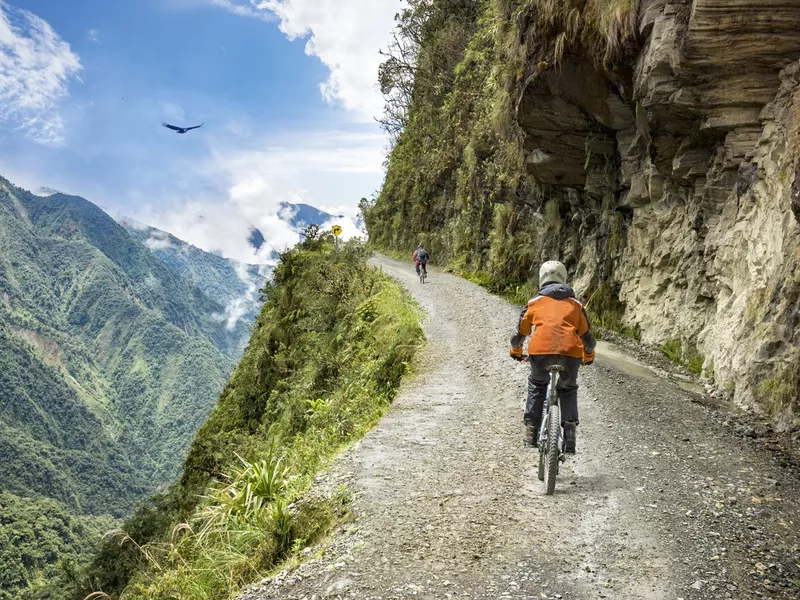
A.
pixel 422 271
pixel 552 392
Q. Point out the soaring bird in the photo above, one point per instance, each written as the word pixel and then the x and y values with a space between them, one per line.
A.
pixel 182 129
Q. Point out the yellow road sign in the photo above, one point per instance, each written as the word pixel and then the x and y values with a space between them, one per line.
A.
pixel 336 230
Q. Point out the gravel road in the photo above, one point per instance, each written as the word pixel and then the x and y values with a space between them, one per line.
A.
pixel 663 500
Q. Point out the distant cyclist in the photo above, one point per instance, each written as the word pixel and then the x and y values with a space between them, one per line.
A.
pixel 560 334
pixel 420 259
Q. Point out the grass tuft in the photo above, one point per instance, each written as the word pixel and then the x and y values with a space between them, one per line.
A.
pixel 671 348
pixel 694 363
pixel 781 390
pixel 606 312
pixel 692 360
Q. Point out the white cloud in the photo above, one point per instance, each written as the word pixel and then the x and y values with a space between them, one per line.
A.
pixel 158 240
pixel 331 152
pixel 47 191
pixel 36 66
pixel 216 225
pixel 93 36
pixel 238 307
pixel 345 35
pixel 256 181
pixel 172 112
pixel 240 9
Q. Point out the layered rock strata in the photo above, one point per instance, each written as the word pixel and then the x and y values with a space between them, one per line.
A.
pixel 698 147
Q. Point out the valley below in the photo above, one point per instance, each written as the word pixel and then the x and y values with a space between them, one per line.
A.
pixel 112 354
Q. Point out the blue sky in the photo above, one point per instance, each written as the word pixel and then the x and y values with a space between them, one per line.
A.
pixel 286 89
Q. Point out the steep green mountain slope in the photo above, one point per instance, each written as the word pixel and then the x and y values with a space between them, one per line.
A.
pixel 36 534
pixel 232 285
pixel 660 165
pixel 329 348
pixel 109 363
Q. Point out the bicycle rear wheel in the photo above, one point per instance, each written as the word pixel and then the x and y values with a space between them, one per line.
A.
pixel 551 450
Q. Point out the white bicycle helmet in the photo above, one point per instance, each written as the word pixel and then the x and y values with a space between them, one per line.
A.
pixel 552 272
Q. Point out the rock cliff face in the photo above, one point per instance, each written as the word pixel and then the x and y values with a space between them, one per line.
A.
pixel 697 139
pixel 651 145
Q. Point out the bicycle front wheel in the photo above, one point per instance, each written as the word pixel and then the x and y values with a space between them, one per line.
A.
pixel 551 449
pixel 542 452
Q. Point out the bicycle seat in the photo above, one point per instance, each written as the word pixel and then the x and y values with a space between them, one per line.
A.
pixel 558 368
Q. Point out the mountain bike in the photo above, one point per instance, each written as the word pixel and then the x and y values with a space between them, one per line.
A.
pixel 551 435
pixel 423 272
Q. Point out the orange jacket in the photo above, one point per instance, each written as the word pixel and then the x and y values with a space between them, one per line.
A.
pixel 557 324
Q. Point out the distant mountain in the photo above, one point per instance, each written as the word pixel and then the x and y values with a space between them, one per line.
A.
pixel 256 238
pixel 110 359
pixel 303 215
pixel 235 286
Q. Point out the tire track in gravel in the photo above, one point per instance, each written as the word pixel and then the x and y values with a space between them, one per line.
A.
pixel 658 502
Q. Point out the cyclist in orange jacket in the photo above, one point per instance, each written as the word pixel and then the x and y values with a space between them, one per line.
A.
pixel 560 334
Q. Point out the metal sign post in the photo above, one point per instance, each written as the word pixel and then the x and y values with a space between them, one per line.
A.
pixel 337 231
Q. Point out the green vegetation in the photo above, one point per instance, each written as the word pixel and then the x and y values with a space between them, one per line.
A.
pixel 694 363
pixel 605 312
pixel 219 278
pixel 692 359
pixel 671 348
pixel 601 27
pixel 327 354
pixel 780 391
pixel 457 177
pixel 38 538
pixel 110 361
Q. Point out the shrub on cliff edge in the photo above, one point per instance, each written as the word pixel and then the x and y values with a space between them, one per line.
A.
pixel 326 357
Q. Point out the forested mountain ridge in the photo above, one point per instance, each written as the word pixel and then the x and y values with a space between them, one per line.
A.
pixel 234 286
pixel 110 360
pixel 653 146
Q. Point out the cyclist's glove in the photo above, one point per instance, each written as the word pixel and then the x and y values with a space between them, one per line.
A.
pixel 588 358
pixel 516 353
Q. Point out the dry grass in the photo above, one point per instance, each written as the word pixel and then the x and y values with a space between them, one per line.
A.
pixel 552 28
pixel 781 390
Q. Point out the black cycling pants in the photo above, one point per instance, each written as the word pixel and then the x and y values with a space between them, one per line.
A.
pixel 567 387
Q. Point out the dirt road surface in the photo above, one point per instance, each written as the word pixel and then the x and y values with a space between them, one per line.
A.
pixel 663 499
